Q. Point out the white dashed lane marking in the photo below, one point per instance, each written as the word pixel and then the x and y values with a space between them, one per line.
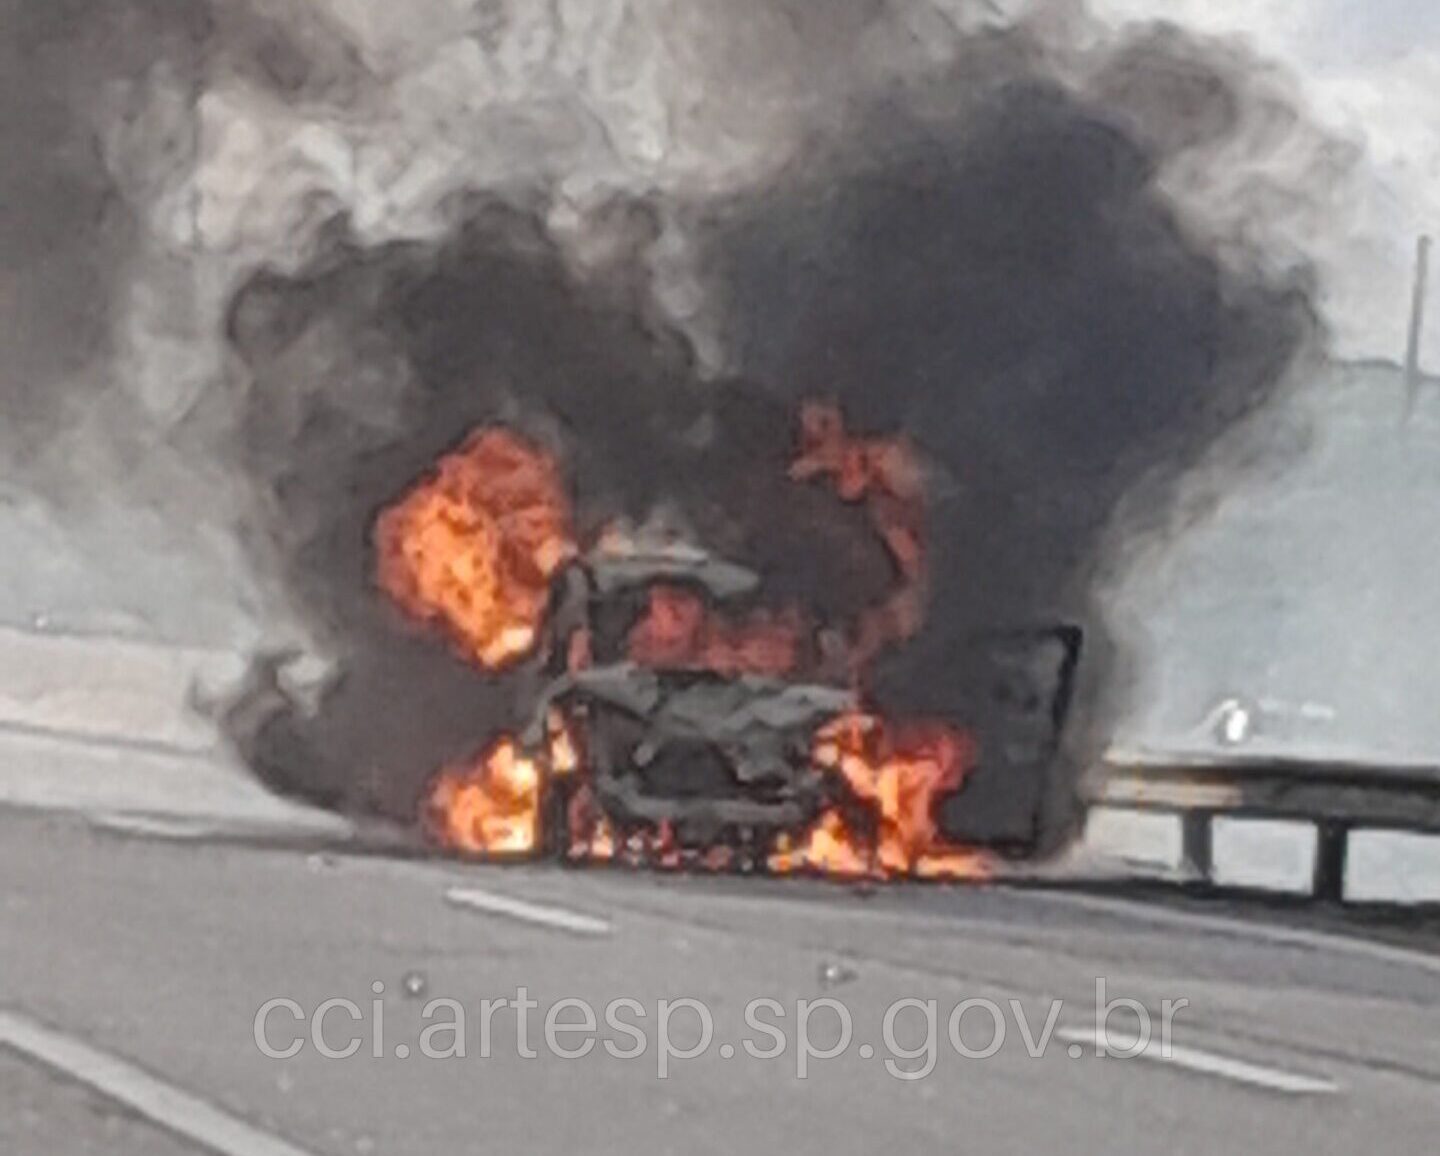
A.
pixel 559 918
pixel 1195 1060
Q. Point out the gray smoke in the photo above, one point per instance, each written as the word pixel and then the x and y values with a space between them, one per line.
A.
pixel 1051 252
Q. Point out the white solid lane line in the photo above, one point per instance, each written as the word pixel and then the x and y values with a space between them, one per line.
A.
pixel 163 1104
pixel 557 917
pixel 1238 928
pixel 1195 1060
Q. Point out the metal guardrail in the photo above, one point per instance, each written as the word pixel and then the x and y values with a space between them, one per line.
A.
pixel 1336 795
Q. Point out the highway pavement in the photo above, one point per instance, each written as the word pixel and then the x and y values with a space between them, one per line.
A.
pixel 132 969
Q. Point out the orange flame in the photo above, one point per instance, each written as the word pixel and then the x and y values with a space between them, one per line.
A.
pixel 491 807
pixel 592 837
pixel 885 474
pixel 899 777
pixel 678 632
pixel 473 547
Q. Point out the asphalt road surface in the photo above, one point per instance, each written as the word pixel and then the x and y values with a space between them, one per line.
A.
pixel 132 971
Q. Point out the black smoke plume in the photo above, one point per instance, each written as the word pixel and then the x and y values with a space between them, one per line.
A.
pixel 958 228
pixel 1004 283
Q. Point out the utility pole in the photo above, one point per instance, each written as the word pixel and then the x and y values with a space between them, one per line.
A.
pixel 1417 326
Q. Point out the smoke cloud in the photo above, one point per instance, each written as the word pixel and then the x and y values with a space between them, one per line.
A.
pixel 322 240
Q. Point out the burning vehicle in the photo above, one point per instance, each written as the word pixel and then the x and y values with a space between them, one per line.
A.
pixel 403 334
pixel 677 719
pixel 891 417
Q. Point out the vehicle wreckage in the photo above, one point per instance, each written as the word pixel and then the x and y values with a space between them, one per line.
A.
pixel 683 763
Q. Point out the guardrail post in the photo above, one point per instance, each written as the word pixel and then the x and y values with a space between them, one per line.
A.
pixel 1332 838
pixel 1197 850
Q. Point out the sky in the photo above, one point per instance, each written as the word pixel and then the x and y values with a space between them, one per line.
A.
pixel 1370 72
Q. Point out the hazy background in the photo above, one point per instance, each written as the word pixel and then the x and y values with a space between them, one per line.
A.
pixel 173 170
pixel 1369 69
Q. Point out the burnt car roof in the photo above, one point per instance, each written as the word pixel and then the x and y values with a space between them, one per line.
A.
pixel 617 569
